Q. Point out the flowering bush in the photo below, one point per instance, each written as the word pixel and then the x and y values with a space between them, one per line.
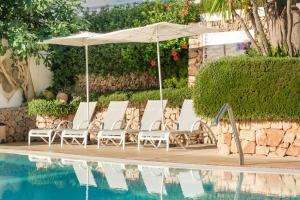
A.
pixel 115 59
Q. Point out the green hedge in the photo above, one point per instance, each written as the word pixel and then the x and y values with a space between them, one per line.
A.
pixel 255 87
pixel 49 108
pixel 175 97
pixel 45 107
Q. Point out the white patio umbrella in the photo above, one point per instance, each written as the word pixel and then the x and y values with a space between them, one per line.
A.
pixel 79 40
pixel 153 33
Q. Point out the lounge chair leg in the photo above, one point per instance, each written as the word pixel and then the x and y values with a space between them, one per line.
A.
pixel 61 141
pixel 49 143
pixel 123 145
pixel 139 144
pixel 85 141
pixel 167 144
pixel 98 145
pixel 29 140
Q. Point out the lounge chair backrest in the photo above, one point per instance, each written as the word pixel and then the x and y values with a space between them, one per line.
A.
pixel 114 174
pixel 191 184
pixel 187 115
pixel 80 119
pixel 153 179
pixel 84 174
pixel 151 114
pixel 116 112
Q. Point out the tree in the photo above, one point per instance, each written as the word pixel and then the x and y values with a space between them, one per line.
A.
pixel 278 29
pixel 23 23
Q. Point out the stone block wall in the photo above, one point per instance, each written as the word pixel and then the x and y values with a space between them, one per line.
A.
pixel 272 139
pixel 263 138
pixel 129 81
pixel 18 123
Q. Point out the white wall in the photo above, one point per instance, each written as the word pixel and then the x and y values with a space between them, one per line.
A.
pixel 220 44
pixel 41 78
pixel 15 101
pixel 96 4
pixel 219 17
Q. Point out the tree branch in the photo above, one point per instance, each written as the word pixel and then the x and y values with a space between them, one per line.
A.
pixel 289 27
pixel 260 28
pixel 241 20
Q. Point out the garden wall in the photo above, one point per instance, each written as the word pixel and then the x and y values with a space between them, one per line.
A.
pixel 265 138
pixel 130 81
pixel 18 123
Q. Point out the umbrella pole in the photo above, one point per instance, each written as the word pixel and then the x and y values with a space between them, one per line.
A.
pixel 159 77
pixel 87 82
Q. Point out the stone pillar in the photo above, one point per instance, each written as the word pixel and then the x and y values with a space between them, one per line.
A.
pixel 195 58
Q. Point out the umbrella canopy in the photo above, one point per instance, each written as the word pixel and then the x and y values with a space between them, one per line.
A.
pixel 79 40
pixel 153 33
pixel 148 34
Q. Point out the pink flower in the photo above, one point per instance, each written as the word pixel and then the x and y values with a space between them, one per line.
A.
pixel 153 63
pixel 174 53
pixel 184 12
pixel 176 58
pixel 184 46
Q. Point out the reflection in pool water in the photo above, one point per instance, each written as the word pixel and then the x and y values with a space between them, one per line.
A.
pixel 43 178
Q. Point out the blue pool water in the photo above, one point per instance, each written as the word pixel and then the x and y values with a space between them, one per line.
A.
pixel 44 178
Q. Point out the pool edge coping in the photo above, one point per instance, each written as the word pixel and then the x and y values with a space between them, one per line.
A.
pixel 241 169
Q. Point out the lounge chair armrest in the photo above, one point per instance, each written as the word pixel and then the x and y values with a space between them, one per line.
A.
pixel 128 124
pixel 198 122
pixel 115 123
pixel 59 126
pixel 165 127
pixel 101 125
pixel 153 123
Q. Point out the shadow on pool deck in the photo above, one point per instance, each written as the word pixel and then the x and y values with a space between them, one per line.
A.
pixel 195 154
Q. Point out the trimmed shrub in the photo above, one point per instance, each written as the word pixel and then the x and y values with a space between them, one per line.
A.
pixel 256 87
pixel 45 107
pixel 104 100
pixel 49 108
pixel 175 97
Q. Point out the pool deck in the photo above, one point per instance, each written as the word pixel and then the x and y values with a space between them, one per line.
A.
pixel 198 155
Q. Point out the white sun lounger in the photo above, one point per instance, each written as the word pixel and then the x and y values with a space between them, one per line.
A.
pixel 188 121
pixel 80 125
pixel 190 183
pixel 114 174
pixel 111 125
pixel 154 178
pixel 83 172
pixel 150 125
pixel 47 134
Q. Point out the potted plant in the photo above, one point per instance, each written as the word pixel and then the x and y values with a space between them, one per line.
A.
pixel 2 132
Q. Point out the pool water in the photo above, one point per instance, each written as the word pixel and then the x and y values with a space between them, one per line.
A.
pixel 44 178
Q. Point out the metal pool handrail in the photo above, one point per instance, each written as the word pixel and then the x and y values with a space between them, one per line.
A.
pixel 216 121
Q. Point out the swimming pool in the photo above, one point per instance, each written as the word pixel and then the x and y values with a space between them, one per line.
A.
pixel 37 177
